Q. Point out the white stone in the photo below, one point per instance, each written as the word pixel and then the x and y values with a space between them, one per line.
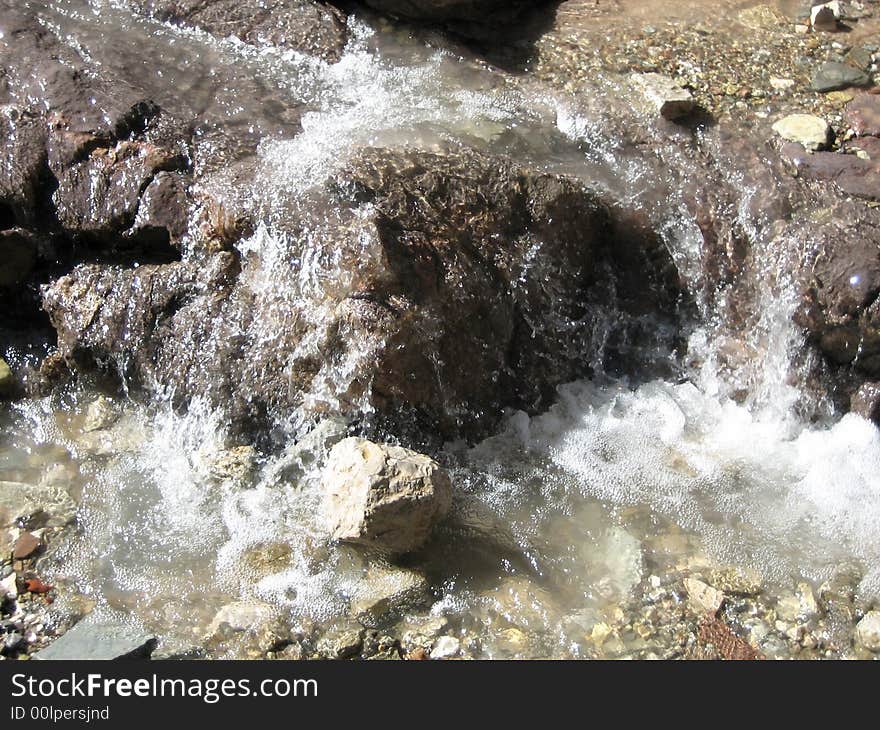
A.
pixel 100 414
pixel 781 84
pixel 445 647
pixel 702 596
pixel 241 615
pixel 868 631
pixel 812 132
pixel 382 496
pixel 664 96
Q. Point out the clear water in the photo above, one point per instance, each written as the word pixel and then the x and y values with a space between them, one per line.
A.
pixel 573 503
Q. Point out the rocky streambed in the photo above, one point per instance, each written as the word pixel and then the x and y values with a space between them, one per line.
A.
pixel 439 330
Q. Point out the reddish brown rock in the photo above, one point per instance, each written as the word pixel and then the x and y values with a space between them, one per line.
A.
pixel 863 115
pixel 25 546
pixel 866 401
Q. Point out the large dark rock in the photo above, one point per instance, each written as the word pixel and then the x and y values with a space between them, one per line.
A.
pixel 843 288
pixel 481 11
pixel 100 196
pixel 87 156
pixel 301 25
pixel 450 286
pixel 23 165
pixel 40 71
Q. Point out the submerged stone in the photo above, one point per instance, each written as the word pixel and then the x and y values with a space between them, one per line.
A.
pixel 868 631
pixel 386 589
pixel 35 505
pixel 94 641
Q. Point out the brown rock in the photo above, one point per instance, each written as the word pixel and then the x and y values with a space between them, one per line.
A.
pixel 443 311
pixel 863 115
pixel 866 401
pixel 302 25
pixel 25 546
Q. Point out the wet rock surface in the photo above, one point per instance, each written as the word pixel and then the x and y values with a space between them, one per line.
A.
pixel 301 25
pixel 385 497
pixel 449 277
pixel 442 257
pixel 88 641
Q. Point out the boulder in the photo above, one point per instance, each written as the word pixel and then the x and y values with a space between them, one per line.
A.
pixel 431 261
pixel 842 312
pixel 23 165
pixel 300 25
pixel 865 402
pixel 101 196
pixel 386 497
pixel 480 11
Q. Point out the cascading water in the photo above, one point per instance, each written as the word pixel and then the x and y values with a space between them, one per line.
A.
pixel 571 512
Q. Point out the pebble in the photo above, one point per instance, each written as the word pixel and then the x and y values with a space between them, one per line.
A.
pixel 824 17
pixel 781 84
pixel 8 588
pixel 12 642
pixel 868 631
pixel 812 132
pixel 703 597
pixel 445 647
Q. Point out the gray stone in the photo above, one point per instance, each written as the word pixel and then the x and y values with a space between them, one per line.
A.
pixel 100 641
pixel 664 96
pixel 386 497
pixel 833 75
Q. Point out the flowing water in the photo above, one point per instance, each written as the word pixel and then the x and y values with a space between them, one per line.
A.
pixel 571 510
